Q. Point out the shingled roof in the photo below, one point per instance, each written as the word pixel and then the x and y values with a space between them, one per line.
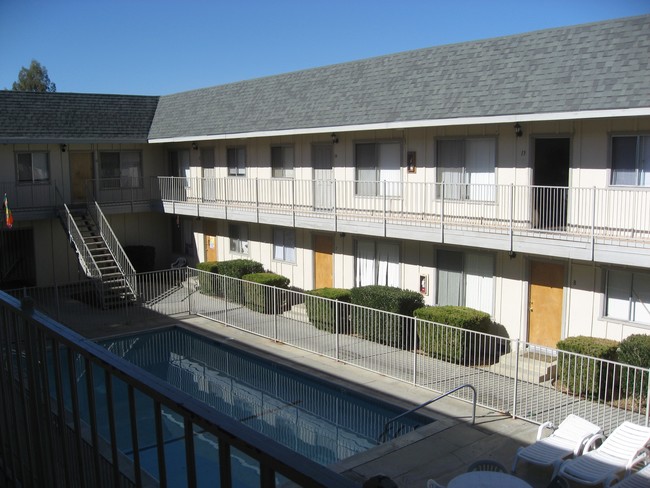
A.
pixel 591 67
pixel 74 117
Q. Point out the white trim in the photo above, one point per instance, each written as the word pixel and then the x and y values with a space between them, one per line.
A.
pixel 495 119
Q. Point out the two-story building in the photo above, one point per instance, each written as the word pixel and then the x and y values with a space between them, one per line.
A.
pixel 510 175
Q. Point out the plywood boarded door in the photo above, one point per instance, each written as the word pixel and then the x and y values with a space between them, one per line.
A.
pixel 81 171
pixel 546 296
pixel 323 249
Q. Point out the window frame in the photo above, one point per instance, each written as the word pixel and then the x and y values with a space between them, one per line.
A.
pixel 375 188
pixel 236 169
pixel 284 170
pixel 123 180
pixel 376 262
pixel 464 186
pixel 631 302
pixel 238 244
pixel 464 274
pixel 288 247
pixel 640 173
pixel 32 181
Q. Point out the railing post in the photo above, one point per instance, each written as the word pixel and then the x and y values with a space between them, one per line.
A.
pixel 384 186
pixel 189 294
pixel 442 211
pixel 593 222
pixel 275 311
pixel 337 305
pixel 336 224
pixel 512 208
pixel 225 198
pixel 414 321
pixel 515 391
pixel 293 201
pixel 257 199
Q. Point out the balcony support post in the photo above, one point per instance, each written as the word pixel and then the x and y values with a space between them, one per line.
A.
pixel 512 207
pixel 593 222
pixel 384 185
pixel 442 212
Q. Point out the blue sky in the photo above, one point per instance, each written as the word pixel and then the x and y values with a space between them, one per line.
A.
pixel 158 47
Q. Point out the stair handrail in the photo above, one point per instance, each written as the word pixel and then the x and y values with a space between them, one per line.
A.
pixel 429 402
pixel 115 248
pixel 87 261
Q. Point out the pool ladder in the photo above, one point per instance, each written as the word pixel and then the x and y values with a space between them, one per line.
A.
pixel 382 436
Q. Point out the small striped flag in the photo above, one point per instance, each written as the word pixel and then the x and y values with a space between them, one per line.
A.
pixel 9 219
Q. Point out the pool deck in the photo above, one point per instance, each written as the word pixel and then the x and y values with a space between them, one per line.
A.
pixel 440 450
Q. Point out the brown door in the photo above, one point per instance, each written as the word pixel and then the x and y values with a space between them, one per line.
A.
pixel 210 236
pixel 545 303
pixel 81 170
pixel 323 249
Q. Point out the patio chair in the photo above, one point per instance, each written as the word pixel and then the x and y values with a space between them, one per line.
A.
pixel 640 479
pixel 567 439
pixel 487 465
pixel 625 447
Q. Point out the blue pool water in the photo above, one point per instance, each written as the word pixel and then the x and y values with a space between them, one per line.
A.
pixel 317 419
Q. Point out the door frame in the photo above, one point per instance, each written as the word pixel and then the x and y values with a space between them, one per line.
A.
pixel 537 220
pixel 72 179
pixel 315 236
pixel 565 287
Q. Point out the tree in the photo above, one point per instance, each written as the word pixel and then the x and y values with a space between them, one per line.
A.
pixel 34 79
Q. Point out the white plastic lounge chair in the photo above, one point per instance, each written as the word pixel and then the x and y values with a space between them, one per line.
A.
pixel 619 453
pixel 567 439
pixel 434 484
pixel 640 479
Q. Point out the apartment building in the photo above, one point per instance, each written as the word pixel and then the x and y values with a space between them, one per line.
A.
pixel 509 175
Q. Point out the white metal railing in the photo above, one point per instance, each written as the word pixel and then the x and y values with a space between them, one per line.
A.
pixel 121 190
pixel 580 213
pixel 85 256
pixel 73 414
pixel 510 375
pixel 114 246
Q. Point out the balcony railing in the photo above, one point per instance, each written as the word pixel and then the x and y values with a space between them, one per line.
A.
pixel 29 196
pixel 127 190
pixel 621 214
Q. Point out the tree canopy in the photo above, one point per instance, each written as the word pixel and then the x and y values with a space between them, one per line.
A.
pixel 34 79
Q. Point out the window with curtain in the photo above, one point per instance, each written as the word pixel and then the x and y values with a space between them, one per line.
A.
pixel 465 279
pixel 120 169
pixel 284 245
pixel 467 168
pixel 32 167
pixel 631 160
pixel 236 160
pixel 282 161
pixel 378 168
pixel 628 296
pixel 238 236
pixel 377 263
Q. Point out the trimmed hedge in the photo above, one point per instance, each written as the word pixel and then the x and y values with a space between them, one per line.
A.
pixel 635 350
pixel 392 330
pixel 322 313
pixel 449 344
pixel 587 376
pixel 235 268
pixel 264 299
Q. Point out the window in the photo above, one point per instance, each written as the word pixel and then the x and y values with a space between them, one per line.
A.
pixel 236 159
pixel 284 245
pixel 466 166
pixel 378 168
pixel 377 263
pixel 120 169
pixel 628 296
pixel 32 167
pixel 238 238
pixel 465 279
pixel 282 161
pixel 631 160
pixel 207 157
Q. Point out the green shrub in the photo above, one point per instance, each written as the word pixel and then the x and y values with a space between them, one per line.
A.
pixel 635 350
pixel 235 268
pixel 392 330
pixel 588 376
pixel 264 299
pixel 446 343
pixel 322 313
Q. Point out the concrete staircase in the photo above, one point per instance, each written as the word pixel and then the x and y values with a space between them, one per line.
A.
pixel 114 287
pixel 535 367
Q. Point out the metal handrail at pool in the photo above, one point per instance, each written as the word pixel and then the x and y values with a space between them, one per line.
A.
pixel 50 432
pixel 382 436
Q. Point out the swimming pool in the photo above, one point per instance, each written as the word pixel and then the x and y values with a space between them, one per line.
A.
pixel 319 420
